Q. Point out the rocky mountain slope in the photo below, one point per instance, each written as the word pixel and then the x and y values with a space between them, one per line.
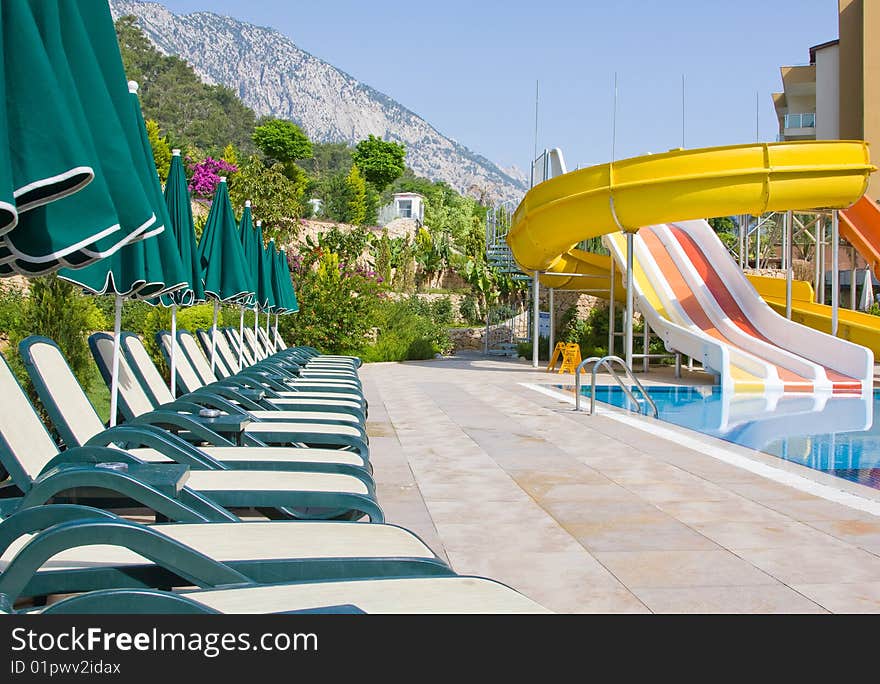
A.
pixel 275 77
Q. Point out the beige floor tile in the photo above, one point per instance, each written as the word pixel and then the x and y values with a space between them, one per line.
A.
pixel 732 508
pixel 740 535
pixel 816 564
pixel 861 597
pixel 700 568
pixel 774 598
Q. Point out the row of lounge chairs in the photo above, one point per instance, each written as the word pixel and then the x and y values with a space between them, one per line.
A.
pixel 283 436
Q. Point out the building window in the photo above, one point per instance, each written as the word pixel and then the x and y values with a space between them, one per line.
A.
pixel 404 208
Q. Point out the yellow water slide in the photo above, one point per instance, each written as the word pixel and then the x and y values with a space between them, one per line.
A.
pixel 678 186
pixel 557 214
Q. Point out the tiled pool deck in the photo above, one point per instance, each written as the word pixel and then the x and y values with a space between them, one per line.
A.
pixel 587 514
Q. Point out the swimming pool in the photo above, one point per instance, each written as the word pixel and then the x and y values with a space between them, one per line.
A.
pixel 834 434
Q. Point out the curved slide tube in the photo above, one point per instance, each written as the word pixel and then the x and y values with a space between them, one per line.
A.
pixel 860 226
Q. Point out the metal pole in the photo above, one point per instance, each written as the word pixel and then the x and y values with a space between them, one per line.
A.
pixel 486 338
pixel 257 355
pixel 241 345
pixel 822 261
pixel 682 110
pixel 270 345
pixel 611 310
pixel 758 244
pixel 536 319
pixel 789 229
pixel 552 322
pixel 852 278
pixel 835 274
pixel 743 239
pixel 172 384
pixel 817 256
pixel 628 326
pixel 114 377
pixel 214 335
pixel 646 332
pixel 677 365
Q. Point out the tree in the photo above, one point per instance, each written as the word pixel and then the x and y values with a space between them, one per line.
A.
pixel 381 161
pixel 161 149
pixel 275 198
pixel 190 112
pixel 328 159
pixel 357 193
pixel 282 141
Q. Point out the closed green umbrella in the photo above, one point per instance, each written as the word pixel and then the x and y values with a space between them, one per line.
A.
pixel 177 201
pixel 283 290
pixel 273 302
pixel 75 127
pixel 246 237
pixel 141 270
pixel 221 259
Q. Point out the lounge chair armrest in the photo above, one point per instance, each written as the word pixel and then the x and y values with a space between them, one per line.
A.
pixel 35 519
pixel 182 421
pixel 183 560
pixel 168 444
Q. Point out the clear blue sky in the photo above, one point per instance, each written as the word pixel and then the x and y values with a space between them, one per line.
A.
pixel 469 66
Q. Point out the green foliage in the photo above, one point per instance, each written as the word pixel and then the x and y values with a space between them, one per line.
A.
pixel 56 309
pixel 381 161
pixel 336 304
pixel 328 159
pixel 282 141
pixel 230 155
pixel 469 310
pixel 525 349
pixel 188 110
pixel 382 258
pixel 408 330
pixel 722 224
pixel 161 149
pixel 356 190
pixel 275 197
pixel 11 309
pixel 441 311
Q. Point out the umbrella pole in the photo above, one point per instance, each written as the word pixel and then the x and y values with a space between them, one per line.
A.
pixel 241 337
pixel 114 378
pixel 172 385
pixel 275 334
pixel 270 346
pixel 214 336
pixel 256 327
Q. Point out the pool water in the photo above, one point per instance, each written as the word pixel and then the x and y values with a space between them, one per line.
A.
pixel 836 434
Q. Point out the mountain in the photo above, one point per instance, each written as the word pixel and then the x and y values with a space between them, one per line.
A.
pixel 274 77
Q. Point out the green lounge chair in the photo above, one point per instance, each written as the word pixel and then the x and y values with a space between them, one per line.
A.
pixel 77 423
pixel 265 552
pixel 40 473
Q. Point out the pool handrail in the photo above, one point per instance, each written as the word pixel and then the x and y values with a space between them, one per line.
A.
pixel 607 362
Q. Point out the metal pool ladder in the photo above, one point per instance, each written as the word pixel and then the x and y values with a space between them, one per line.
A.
pixel 607 362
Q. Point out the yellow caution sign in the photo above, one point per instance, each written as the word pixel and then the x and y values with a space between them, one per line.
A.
pixel 571 358
pixel 558 353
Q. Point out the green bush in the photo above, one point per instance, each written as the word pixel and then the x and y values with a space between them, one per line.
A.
pixel 441 311
pixel 524 349
pixel 407 331
pixel 469 310
pixel 11 303
pixel 56 309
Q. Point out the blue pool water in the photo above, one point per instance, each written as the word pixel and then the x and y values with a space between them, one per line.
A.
pixel 837 435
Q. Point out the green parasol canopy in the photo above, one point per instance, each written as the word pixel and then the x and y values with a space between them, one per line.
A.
pixel 291 303
pixel 74 128
pixel 221 259
pixel 248 237
pixel 147 268
pixel 177 202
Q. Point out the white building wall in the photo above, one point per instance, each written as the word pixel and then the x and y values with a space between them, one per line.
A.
pixel 828 93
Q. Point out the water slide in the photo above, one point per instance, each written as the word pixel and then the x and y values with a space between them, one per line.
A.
pixel 860 226
pixel 855 326
pixel 690 290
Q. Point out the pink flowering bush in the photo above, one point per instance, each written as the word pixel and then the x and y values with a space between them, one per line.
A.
pixel 205 175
